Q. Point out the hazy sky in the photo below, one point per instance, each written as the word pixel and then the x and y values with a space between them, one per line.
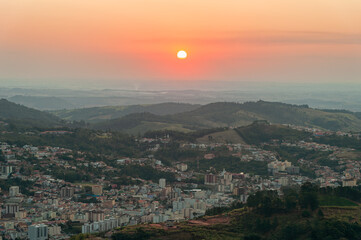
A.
pixel 133 43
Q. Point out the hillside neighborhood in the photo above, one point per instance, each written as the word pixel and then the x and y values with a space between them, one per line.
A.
pixel 38 194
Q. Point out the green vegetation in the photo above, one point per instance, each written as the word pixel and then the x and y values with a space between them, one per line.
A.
pixel 292 154
pixel 23 185
pixel 180 117
pixel 134 123
pixel 20 117
pixel 146 173
pixel 81 140
pixel 139 234
pixel 226 136
pixel 97 114
pixel 260 132
pixel 72 228
pixel 327 200
pixel 216 115
pixel 42 102
pixel 340 141
pixel 71 175
pixel 219 210
pixel 182 136
pixel 232 164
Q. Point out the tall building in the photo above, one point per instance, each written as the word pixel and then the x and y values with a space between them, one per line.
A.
pixel 11 208
pixel 38 232
pixel 228 177
pixel 162 182
pixel 96 216
pixel 14 191
pixel 188 213
pixel 210 179
pixel 67 192
pixel 54 230
pixel 6 170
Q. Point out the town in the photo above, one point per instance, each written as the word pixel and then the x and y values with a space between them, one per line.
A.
pixel 50 192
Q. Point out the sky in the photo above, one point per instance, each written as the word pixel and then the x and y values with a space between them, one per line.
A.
pixel 134 43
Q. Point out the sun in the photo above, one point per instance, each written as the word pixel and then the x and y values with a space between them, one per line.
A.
pixel 182 54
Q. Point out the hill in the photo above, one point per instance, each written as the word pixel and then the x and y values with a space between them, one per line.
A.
pixel 26 117
pixel 303 115
pixel 97 114
pixel 140 123
pixel 42 103
pixel 226 136
pixel 259 132
pixel 224 114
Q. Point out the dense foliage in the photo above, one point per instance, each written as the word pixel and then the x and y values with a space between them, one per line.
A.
pixel 80 140
pixel 147 173
pixel 260 132
pixel 23 185
pixel 340 141
pixel 23 117
pixel 231 164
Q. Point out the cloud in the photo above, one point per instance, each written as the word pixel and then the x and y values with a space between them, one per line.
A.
pixel 267 37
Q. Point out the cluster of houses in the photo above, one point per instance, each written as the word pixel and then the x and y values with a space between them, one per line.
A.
pixel 38 205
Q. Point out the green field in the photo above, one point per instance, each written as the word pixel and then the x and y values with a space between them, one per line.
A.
pixel 335 201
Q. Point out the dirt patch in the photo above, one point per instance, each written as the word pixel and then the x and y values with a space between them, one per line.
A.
pixel 228 136
pixel 210 221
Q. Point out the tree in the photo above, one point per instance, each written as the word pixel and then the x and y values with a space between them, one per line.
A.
pixel 320 213
pixel 2 158
pixel 290 202
pixel 308 196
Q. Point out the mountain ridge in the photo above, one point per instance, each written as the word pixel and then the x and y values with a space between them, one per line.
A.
pixel 97 114
pixel 26 116
pixel 230 114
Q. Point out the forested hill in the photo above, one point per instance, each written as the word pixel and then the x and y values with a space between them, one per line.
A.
pixel 184 117
pixel 224 114
pixel 25 116
pixel 97 114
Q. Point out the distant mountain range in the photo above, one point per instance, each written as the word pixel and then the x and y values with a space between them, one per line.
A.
pixel 27 117
pixel 320 96
pixel 97 114
pixel 136 119
pixel 42 103
pixel 234 114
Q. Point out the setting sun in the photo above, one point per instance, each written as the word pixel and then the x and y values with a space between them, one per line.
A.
pixel 182 54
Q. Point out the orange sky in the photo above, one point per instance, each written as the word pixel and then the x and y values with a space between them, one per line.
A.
pixel 137 40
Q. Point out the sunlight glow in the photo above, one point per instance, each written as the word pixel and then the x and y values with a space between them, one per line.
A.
pixel 182 54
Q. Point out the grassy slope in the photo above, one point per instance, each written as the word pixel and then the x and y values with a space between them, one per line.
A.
pixel 97 114
pixel 227 136
pixel 233 114
pixel 335 201
pixel 258 133
pixel 25 116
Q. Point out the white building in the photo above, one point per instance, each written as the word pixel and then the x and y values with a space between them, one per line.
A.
pixel 182 167
pixel 14 191
pixel 54 230
pixel 283 181
pixel 6 170
pixel 11 208
pixel 38 232
pixel 106 225
pixel 162 183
